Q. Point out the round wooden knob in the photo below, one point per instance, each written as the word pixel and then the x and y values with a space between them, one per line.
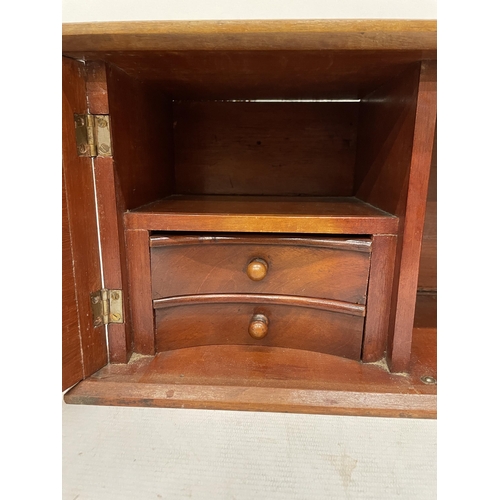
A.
pixel 257 269
pixel 258 326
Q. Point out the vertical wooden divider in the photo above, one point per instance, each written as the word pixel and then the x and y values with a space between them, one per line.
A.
pixel 110 208
pixel 113 254
pixel 378 307
pixel 141 300
pixel 405 289
pixel 393 163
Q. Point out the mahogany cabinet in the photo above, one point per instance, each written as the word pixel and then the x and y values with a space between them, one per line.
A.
pixel 243 210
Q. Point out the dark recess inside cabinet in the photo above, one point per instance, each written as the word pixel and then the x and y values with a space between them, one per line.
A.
pixel 262 213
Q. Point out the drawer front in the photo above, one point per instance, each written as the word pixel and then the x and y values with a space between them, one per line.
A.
pixel 322 326
pixel 329 268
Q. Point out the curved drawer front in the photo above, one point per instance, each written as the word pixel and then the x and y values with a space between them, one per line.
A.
pixel 324 326
pixel 330 268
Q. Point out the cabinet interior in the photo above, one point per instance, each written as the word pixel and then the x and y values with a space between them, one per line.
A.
pixel 263 126
pixel 231 142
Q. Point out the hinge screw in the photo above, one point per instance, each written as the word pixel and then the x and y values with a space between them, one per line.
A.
pixel 95 299
pixel 103 148
pixel 427 379
pixel 115 295
pixel 101 123
pixel 115 317
pixel 97 321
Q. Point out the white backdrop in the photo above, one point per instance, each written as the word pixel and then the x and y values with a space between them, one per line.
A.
pixel 75 11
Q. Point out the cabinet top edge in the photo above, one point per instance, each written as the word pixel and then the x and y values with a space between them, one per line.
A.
pixel 334 34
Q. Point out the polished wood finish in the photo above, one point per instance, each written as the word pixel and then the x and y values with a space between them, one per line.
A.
pixel 399 343
pixel 385 139
pixel 72 361
pixel 96 87
pixel 141 304
pixel 136 174
pixel 113 251
pixel 272 379
pixel 262 74
pixel 379 297
pixel 225 321
pixel 110 206
pixel 257 269
pixel 348 243
pixel 260 148
pixel 141 132
pixel 184 165
pixel 256 214
pixel 81 213
pixel 242 298
pixel 354 243
pixel 427 275
pixel 338 34
pixel 259 326
pixel 330 268
pixel 397 124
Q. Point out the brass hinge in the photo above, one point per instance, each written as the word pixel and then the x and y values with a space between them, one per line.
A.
pixel 92 135
pixel 107 307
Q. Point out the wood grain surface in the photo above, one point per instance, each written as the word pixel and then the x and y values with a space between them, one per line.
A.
pixel 397 124
pixel 379 297
pixel 96 84
pixel 72 361
pixel 110 207
pixel 364 34
pixel 139 280
pixel 81 210
pixel 271 379
pixel 427 275
pixel 227 323
pixel 385 139
pixel 246 298
pixel 303 267
pixel 262 74
pixel 141 131
pixel 260 148
pixel 268 214
pixel 411 229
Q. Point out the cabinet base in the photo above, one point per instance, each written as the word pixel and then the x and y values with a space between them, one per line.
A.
pixel 273 379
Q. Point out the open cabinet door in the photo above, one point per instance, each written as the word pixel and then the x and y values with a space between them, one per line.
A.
pixel 84 348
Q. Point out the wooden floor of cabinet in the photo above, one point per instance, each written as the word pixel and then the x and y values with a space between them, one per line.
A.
pixel 273 379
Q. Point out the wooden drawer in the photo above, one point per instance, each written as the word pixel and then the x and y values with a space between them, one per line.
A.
pixel 325 326
pixel 329 268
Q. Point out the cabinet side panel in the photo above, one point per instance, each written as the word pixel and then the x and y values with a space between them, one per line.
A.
pixel 79 185
pixel 141 131
pixel 385 139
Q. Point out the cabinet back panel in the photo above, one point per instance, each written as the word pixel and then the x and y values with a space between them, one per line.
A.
pixel 263 148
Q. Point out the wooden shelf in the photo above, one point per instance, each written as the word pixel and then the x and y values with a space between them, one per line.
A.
pixel 332 215
pixel 272 379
